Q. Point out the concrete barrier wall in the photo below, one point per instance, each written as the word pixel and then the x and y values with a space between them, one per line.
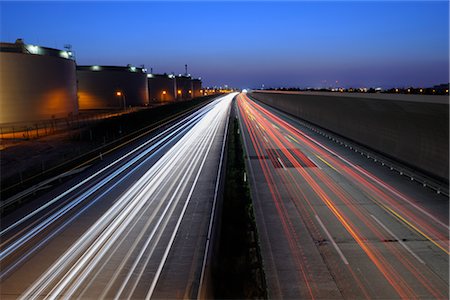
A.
pixel 407 129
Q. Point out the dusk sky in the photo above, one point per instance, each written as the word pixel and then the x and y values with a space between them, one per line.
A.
pixel 247 44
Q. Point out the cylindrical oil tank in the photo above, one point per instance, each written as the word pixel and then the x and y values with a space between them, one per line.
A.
pixel 183 87
pixel 161 88
pixel 197 87
pixel 36 83
pixel 111 87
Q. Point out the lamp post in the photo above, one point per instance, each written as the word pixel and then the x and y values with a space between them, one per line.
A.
pixel 122 94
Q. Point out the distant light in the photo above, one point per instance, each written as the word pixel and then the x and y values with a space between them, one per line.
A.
pixel 70 53
pixel 396 90
pixel 33 49
pixel 64 54
pixel 190 92
pixel 179 75
pixel 446 91
pixel 149 75
pixel 119 93
pixel 96 68
pixel 421 90
pixel 244 90
pixel 133 69
pixel 179 92
pixel 409 90
pixel 164 92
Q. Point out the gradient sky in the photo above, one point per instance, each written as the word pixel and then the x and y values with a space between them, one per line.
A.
pixel 247 44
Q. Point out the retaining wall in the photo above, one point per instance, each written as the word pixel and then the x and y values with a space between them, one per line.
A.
pixel 412 129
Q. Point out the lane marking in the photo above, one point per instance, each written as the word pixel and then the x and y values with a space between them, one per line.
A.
pixel 332 241
pixel 399 240
pixel 395 214
pixel 292 138
pixel 281 163
pixel 317 165
pixel 327 163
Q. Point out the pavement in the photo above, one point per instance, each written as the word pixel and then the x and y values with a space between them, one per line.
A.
pixel 135 226
pixel 334 224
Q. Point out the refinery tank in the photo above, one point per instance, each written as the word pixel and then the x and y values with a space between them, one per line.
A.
pixel 183 87
pixel 161 87
pixel 111 87
pixel 197 87
pixel 36 83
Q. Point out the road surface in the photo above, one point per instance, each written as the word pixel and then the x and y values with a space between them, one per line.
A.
pixel 334 224
pixel 136 227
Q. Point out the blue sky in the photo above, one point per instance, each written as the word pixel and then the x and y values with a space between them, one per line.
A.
pixel 247 44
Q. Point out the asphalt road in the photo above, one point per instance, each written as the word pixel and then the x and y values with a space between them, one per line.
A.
pixel 335 224
pixel 135 227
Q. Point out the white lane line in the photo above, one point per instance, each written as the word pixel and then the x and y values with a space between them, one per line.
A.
pixel 281 163
pixel 213 209
pixel 332 240
pixel 399 240
pixel 314 162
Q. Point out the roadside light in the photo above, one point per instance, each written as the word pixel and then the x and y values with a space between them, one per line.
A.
pixel 164 92
pixel 179 92
pixel 396 90
pixel 119 93
pixel 409 90
pixel 190 92
pixel 420 90
pixel 446 91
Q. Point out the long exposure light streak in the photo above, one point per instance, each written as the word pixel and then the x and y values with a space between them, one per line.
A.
pixel 135 235
pixel 289 149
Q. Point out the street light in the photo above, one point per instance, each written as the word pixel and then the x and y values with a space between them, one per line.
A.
pixel 121 94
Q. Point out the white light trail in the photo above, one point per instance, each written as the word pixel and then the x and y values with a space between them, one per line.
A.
pixel 162 195
pixel 12 244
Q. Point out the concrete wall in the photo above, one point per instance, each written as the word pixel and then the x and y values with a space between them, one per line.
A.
pixel 97 89
pixel 405 128
pixel 36 87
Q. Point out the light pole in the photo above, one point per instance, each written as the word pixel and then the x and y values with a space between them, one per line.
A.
pixel 122 94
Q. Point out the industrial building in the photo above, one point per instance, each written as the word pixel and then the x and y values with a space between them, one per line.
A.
pixel 161 87
pixel 183 85
pixel 37 83
pixel 111 87
pixel 197 87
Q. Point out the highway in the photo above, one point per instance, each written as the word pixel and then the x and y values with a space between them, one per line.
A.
pixel 334 224
pixel 136 226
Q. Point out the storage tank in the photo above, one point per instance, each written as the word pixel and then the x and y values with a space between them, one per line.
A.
pixel 161 88
pixel 183 87
pixel 36 83
pixel 197 87
pixel 111 87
